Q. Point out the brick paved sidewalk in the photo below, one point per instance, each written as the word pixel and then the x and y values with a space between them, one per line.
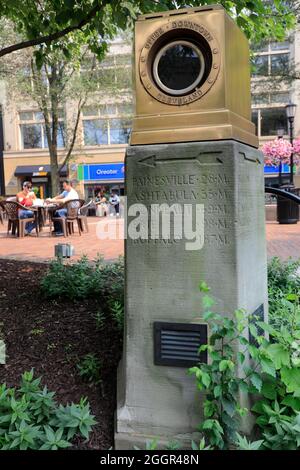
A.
pixel 282 241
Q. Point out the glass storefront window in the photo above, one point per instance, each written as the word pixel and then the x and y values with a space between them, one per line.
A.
pixel 95 132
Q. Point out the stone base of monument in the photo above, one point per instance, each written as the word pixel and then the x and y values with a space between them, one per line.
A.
pixel 156 397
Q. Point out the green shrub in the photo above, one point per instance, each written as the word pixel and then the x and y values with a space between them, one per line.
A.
pixel 117 310
pixel 68 281
pixel 281 282
pixel 30 418
pixel 84 279
pixel 278 410
pixel 268 370
pixel 90 368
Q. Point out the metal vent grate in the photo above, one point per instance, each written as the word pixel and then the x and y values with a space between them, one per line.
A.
pixel 177 344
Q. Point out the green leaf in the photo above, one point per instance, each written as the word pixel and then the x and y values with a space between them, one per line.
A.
pixel 207 302
pixel 268 367
pixel 206 379
pixel 291 378
pixel 209 408
pixel 226 364
pixel 293 402
pixel 267 327
pixel 203 287
pixel 268 390
pixel 241 357
pixel 279 355
pixel 229 407
pixel 256 381
pixel 217 391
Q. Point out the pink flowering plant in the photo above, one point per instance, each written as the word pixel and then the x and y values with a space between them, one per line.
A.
pixel 296 147
pixel 279 151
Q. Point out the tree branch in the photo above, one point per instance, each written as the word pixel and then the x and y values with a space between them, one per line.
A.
pixel 70 150
pixel 51 37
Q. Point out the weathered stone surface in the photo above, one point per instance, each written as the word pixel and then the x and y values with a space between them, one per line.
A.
pixel 162 277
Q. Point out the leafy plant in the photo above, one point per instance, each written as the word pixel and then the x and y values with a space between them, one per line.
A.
pixel 70 282
pixel 85 279
pixel 278 409
pixel 283 279
pixel 218 378
pixel 30 418
pixel 90 368
pixel 269 371
pixel 244 444
pixel 117 310
pixel 100 320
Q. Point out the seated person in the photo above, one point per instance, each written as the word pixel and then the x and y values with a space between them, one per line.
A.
pixel 102 208
pixel 26 197
pixel 114 200
pixel 68 194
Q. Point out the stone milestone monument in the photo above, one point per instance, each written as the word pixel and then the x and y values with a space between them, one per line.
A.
pixel 192 167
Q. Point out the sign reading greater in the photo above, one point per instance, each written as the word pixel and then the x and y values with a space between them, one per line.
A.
pixel 102 172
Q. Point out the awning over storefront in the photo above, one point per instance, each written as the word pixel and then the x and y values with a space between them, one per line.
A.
pixel 37 170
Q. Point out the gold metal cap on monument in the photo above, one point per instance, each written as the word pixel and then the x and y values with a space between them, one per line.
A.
pixel 192 78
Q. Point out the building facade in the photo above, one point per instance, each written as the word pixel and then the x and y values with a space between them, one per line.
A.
pixel 270 94
pixel 97 162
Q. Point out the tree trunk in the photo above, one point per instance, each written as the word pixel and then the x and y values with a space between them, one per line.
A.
pixel 55 183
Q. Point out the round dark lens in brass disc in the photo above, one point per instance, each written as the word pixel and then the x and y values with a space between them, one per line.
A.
pixel 178 67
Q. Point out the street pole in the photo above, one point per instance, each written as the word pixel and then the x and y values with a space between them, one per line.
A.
pixel 290 114
pixel 291 128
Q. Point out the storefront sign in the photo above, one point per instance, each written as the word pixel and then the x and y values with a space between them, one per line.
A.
pixel 40 173
pixel 101 172
pixel 275 169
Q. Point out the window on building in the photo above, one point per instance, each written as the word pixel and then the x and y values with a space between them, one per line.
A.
pixel 271 58
pixel 107 124
pixel 114 72
pixel 271 119
pixel 33 132
pixel 268 99
pixel 119 131
pixel 268 120
pixel 95 132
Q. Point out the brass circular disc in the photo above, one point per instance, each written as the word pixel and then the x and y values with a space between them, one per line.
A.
pixel 145 70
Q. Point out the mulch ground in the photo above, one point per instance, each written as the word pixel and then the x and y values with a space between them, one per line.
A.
pixel 52 336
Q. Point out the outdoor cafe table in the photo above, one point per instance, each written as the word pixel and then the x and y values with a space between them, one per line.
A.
pixel 42 212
